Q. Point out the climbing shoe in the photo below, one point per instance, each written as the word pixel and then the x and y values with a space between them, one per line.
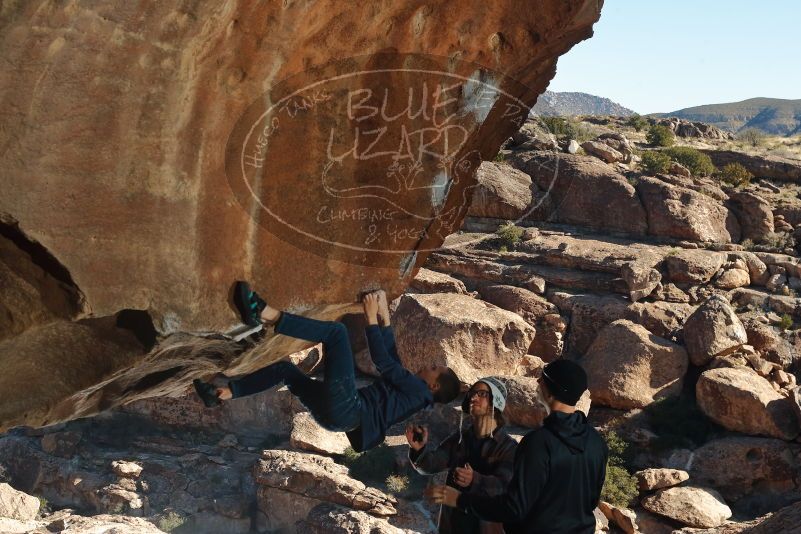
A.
pixel 248 304
pixel 206 392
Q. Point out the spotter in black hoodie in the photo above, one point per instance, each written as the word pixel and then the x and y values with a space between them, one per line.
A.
pixel 558 475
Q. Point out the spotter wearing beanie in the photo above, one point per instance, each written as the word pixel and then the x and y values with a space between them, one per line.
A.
pixel 497 393
pixel 497 396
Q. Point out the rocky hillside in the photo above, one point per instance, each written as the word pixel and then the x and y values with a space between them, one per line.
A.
pixel 775 116
pixel 679 293
pixel 568 104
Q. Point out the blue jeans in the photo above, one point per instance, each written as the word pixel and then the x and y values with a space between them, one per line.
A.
pixel 334 402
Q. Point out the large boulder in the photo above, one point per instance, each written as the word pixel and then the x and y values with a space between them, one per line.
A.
pixel 713 330
pixel 268 414
pixel 291 484
pixel 195 185
pixel 696 507
pixel 764 469
pixel 757 270
pixel 106 523
pixel 733 278
pixel 785 520
pixel 741 400
pixel 768 342
pixel 501 192
pixel 428 281
pixel 471 336
pixel 310 436
pixel 589 314
pixel 332 519
pixel 693 266
pixel 585 192
pixel 642 279
pixel 628 367
pixel 602 151
pixel 654 479
pixel 16 504
pixel 544 316
pixel 682 213
pixel 754 213
pixel 663 319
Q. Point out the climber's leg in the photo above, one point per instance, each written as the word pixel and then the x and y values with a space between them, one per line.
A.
pixel 340 402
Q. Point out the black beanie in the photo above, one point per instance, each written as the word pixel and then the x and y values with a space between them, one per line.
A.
pixel 566 380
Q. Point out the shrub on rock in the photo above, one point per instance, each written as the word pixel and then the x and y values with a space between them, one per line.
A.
pixel 654 162
pixel 660 136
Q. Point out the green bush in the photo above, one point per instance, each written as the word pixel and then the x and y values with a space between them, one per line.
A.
pixel 620 488
pixel 735 174
pixel 567 127
pixel 786 322
pixel 373 466
pixel 509 234
pixel 655 162
pixel 349 456
pixel 620 450
pixel 752 136
pixel 44 505
pixel 637 122
pixel 500 157
pixel 660 136
pixel 699 163
pixel 556 125
pixel 780 240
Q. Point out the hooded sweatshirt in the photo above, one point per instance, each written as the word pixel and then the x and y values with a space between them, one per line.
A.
pixel 559 471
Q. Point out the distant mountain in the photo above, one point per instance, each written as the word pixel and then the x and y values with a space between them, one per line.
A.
pixel 570 104
pixel 775 116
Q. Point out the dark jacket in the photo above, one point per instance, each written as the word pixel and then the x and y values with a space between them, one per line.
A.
pixel 559 471
pixel 492 460
pixel 395 396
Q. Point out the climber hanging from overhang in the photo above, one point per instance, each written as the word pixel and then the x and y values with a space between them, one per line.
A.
pixel 335 402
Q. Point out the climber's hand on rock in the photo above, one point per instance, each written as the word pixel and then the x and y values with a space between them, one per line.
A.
pixel 370 303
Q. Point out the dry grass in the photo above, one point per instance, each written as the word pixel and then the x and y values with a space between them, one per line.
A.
pixel 786 147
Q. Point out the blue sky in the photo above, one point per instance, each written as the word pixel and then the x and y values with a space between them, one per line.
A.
pixel 658 56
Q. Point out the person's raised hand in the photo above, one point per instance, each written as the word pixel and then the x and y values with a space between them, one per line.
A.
pixel 370 304
pixel 383 307
pixel 443 495
pixel 411 429
pixel 463 475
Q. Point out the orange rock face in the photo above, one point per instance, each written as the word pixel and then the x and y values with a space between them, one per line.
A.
pixel 159 152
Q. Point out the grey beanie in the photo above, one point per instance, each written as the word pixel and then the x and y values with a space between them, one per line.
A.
pixel 498 390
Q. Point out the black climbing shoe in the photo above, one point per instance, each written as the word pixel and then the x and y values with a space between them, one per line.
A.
pixel 248 304
pixel 206 392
